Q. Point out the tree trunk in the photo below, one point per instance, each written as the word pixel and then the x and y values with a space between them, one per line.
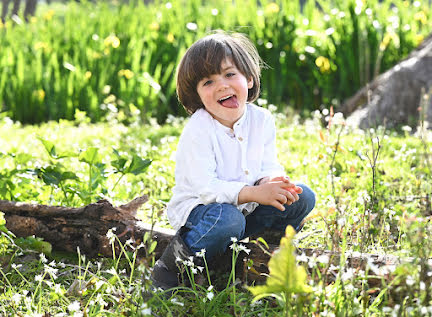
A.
pixel 400 96
pixel 67 228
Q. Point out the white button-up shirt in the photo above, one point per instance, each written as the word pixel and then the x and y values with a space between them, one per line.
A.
pixel 214 162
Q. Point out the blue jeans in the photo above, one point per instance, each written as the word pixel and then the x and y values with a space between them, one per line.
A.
pixel 212 226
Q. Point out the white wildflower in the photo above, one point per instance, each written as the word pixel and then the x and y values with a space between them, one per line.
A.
pixel 43 258
pixel 74 306
pixel 349 274
pixel 110 234
pixel 210 295
pixel 16 298
pixel 200 254
pixel 174 300
pixel 323 258
pixel 38 278
pixel 145 310
pixel 302 258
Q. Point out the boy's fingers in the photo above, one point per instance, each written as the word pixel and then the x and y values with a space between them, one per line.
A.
pixel 279 206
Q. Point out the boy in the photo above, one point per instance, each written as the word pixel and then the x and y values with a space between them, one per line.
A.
pixel 228 180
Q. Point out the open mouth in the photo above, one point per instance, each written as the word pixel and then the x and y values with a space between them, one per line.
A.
pixel 229 101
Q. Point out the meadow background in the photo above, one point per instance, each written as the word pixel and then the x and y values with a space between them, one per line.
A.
pixel 88 111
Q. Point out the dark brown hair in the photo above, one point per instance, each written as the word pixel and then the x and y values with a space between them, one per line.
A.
pixel 204 58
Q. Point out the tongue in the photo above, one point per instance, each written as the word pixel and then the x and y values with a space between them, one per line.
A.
pixel 230 102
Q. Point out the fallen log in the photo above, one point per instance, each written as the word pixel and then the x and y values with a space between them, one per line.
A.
pixel 67 228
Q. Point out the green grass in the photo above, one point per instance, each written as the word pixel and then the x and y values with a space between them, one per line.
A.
pixel 364 205
pixel 121 58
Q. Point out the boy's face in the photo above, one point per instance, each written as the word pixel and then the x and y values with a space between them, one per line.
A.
pixel 224 95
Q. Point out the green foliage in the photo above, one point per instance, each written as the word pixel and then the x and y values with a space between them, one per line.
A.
pixel 286 278
pixel 121 59
pixel 364 205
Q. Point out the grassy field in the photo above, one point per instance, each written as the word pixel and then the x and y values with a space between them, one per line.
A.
pixel 373 190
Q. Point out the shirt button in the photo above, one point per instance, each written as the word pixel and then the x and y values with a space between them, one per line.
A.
pixel 240 138
pixel 246 172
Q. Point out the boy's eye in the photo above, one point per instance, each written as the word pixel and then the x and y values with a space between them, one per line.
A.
pixel 230 74
pixel 207 82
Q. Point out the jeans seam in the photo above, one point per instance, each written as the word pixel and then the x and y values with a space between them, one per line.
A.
pixel 214 224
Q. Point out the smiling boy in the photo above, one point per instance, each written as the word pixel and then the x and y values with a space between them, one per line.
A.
pixel 229 183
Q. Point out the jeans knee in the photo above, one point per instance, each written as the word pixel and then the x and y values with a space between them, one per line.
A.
pixel 234 222
pixel 307 197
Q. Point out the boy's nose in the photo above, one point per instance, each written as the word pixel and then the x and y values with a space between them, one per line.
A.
pixel 222 85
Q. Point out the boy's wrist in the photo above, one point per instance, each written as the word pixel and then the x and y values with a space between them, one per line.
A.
pixel 246 194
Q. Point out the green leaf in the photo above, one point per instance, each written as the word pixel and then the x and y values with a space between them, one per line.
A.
pixel 285 276
pixel 49 147
pixel 138 165
pixel 89 156
pixel 119 163
pixel 35 244
pixel 52 151
pixel 54 175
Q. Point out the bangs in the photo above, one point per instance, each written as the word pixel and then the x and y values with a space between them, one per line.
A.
pixel 207 60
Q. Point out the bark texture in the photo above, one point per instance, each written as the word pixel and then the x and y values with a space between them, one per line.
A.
pixel 394 98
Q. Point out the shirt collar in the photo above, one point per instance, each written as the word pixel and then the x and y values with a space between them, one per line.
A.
pixel 240 122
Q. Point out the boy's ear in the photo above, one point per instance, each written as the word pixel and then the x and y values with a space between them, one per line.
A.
pixel 250 83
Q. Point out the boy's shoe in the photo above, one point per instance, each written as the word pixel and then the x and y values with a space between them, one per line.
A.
pixel 165 274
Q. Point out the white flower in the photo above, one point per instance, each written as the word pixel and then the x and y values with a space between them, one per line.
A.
pixel 39 278
pixel 302 258
pixel 112 271
pixel 16 298
pixel 234 239
pixel 200 254
pixel 192 26
pixel 323 258
pixel 74 306
pixel 349 274
pixel 410 280
pixel 210 295
pixel 15 266
pixel 110 234
pixel 174 300
pixel 43 258
pixel 145 310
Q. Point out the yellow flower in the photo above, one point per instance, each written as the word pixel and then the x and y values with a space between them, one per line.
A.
pixel 40 45
pixel 33 20
pixel 48 15
pixel 126 73
pixel 113 41
pixel 418 39
pixel 406 4
pixel 154 26
pixel 170 37
pixel 39 94
pixel 87 75
pixel 272 8
pixel 420 16
pixel 323 63
pixel 1 24
pixel 385 42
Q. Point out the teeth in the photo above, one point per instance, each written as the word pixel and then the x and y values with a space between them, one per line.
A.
pixel 225 98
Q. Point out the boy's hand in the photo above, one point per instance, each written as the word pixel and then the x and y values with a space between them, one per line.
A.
pixel 290 186
pixel 276 192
